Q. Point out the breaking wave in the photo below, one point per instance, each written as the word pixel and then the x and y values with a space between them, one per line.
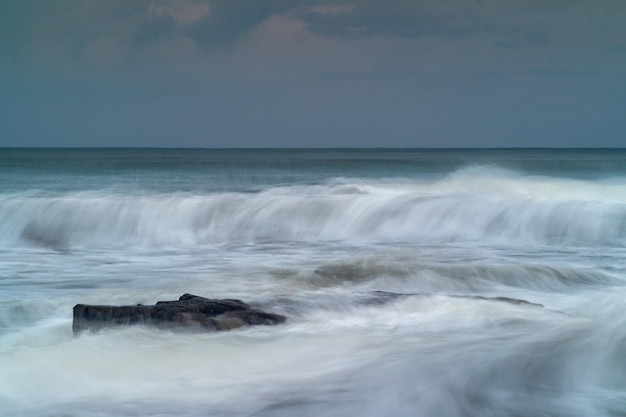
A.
pixel 479 203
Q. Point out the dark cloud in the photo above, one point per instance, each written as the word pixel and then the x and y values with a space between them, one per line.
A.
pixel 39 33
pixel 312 72
pixel 231 19
pixel 63 32
pixel 452 18
pixel 395 18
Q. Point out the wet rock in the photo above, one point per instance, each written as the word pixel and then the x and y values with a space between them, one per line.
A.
pixel 189 312
pixel 503 299
pixel 382 297
pixel 378 297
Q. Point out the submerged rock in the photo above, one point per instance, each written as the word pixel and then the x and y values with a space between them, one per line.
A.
pixel 502 299
pixel 189 312
pixel 382 297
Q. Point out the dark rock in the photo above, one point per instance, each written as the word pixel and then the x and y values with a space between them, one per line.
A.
pixel 382 297
pixel 503 299
pixel 189 312
pixel 378 297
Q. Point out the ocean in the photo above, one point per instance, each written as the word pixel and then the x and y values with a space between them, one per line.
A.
pixel 312 235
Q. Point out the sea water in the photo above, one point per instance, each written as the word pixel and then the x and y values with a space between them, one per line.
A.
pixel 310 234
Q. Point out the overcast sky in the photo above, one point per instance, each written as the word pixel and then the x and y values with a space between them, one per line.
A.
pixel 312 73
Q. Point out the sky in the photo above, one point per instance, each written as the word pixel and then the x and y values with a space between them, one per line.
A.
pixel 313 73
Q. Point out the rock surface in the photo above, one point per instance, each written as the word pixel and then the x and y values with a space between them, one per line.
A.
pixel 189 312
pixel 382 297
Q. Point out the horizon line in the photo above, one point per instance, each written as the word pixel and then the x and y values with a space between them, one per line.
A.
pixel 339 148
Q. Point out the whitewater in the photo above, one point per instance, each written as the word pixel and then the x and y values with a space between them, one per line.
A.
pixel 314 235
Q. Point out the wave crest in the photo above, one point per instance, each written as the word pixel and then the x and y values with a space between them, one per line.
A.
pixel 340 211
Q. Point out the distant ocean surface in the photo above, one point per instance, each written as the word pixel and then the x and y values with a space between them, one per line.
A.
pixel 308 234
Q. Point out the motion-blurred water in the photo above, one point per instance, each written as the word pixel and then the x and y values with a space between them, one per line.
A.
pixel 307 234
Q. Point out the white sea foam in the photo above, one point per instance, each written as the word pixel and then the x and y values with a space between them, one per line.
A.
pixel 473 204
pixel 457 356
pixel 317 250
